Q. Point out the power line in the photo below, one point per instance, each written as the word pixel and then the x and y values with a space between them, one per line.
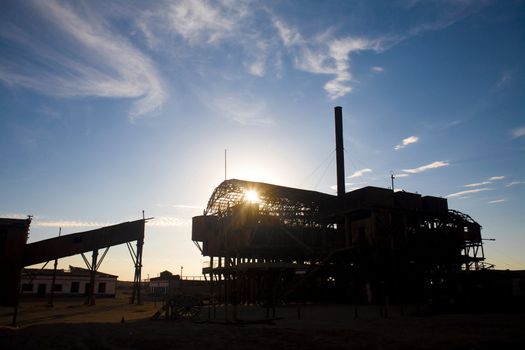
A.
pixel 328 158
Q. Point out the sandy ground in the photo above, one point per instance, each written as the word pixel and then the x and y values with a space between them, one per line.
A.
pixel 72 325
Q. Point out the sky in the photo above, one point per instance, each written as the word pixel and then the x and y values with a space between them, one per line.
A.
pixel 108 108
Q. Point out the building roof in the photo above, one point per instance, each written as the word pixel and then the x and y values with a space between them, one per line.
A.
pixel 232 192
pixel 72 272
pixel 15 223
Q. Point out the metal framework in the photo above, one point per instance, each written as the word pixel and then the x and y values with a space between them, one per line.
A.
pixel 259 220
pixel 14 233
pixel 290 206
pixel 92 241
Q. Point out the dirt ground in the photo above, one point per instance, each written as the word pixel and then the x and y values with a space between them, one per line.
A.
pixel 72 325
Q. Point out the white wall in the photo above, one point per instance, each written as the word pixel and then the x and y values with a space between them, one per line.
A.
pixel 66 283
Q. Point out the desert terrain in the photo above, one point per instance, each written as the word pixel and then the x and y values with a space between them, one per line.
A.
pixel 72 325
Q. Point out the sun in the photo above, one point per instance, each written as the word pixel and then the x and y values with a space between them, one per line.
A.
pixel 251 196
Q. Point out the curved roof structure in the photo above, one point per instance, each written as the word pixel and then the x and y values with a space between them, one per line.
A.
pixel 294 207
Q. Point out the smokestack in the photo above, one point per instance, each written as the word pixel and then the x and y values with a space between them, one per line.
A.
pixel 339 150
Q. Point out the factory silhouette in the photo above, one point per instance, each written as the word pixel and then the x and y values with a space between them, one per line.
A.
pixel 271 245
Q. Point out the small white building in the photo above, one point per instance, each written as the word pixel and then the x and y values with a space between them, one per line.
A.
pixel 161 285
pixel 75 281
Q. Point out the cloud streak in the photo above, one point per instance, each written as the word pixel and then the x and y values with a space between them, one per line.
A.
pixel 434 165
pixel 462 193
pixel 407 141
pixel 514 183
pixel 41 221
pixel 158 221
pixel 359 173
pixel 67 223
pixel 518 132
pixel 496 201
pixel 169 221
pixel 477 184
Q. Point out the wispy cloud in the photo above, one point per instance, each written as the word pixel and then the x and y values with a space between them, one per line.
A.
pixel 245 110
pixel 514 183
pixel 462 193
pixel 496 201
pixel 203 22
pixel 477 184
pixel 407 141
pixel 183 206
pixel 446 13
pixel 90 55
pixel 496 178
pixel 83 57
pixel 360 173
pixel 401 175
pixel 14 215
pixel 50 113
pixel 40 221
pixel 169 221
pixel 518 132
pixel 67 223
pixel 504 79
pixel 191 27
pixel 340 51
pixel 441 125
pixel 434 165
pixel 289 35
pixel 159 221
pixel 325 54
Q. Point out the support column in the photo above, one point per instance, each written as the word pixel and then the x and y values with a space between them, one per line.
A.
pixel 138 273
pixel 51 299
pixel 212 296
pixel 93 271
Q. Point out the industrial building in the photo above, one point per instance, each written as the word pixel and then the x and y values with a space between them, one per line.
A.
pixel 269 244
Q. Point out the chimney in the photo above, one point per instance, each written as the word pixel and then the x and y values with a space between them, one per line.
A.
pixel 339 150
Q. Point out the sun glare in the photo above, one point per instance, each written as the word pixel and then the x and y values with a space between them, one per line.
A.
pixel 251 196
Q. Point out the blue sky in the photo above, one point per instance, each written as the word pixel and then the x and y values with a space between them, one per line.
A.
pixel 111 108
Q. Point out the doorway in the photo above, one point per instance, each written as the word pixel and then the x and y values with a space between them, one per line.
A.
pixel 41 292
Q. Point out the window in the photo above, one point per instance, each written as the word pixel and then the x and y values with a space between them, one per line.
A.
pixel 3 240
pixel 362 235
pixel 102 287
pixel 75 287
pixel 42 289
pixel 57 288
pixel 27 287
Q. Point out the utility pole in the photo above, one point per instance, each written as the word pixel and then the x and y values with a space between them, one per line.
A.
pixel 392 177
